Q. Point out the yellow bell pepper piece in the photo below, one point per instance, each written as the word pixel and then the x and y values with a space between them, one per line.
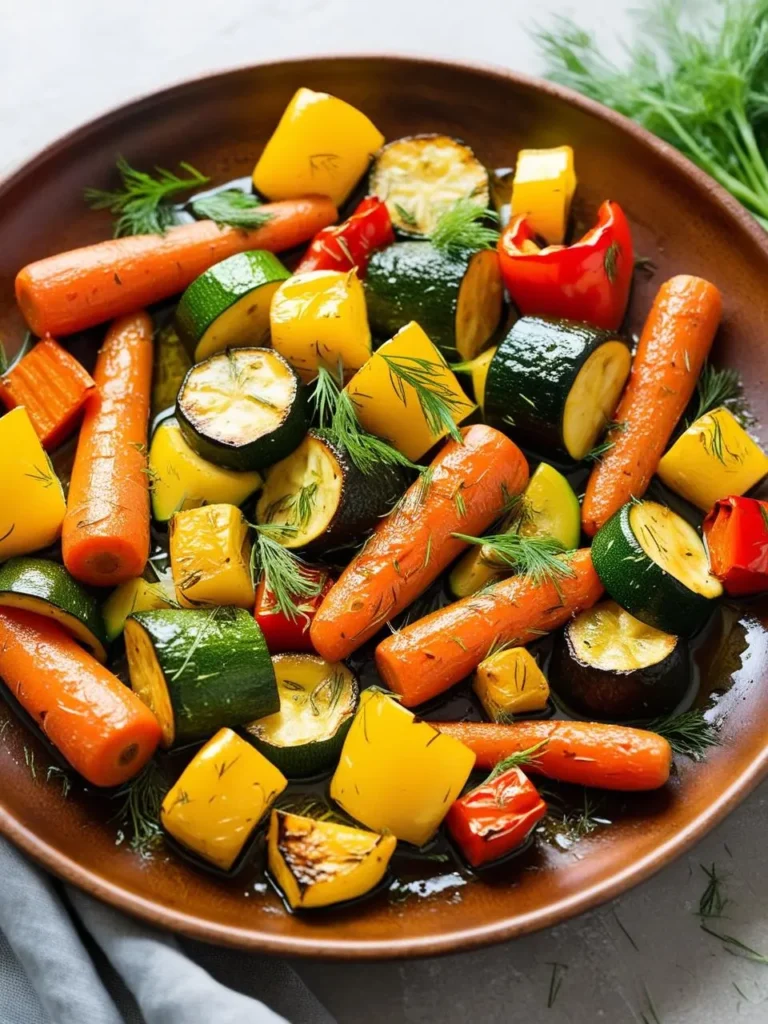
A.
pixel 390 408
pixel 713 459
pixel 32 504
pixel 220 798
pixel 210 557
pixel 322 145
pixel 320 318
pixel 542 190
pixel 398 774
pixel 317 863
pixel 182 480
pixel 137 595
pixel 511 683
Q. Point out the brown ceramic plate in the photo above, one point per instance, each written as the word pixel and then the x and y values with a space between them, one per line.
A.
pixel 680 218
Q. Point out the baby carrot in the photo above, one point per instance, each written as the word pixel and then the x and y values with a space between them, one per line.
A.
pixel 586 753
pixel 99 724
pixel 673 348
pixel 463 492
pixel 77 289
pixel 105 535
pixel 431 655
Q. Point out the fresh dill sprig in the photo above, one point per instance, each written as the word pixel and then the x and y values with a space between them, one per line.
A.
pixel 406 216
pixel 438 402
pixel 713 902
pixel 517 760
pixel 297 507
pixel 538 557
pixel 565 824
pixel 558 973
pixel 596 454
pixel 716 388
pixel 141 800
pixel 736 947
pixel 461 228
pixel 233 207
pixel 689 733
pixel 142 203
pixel 286 576
pixel 54 772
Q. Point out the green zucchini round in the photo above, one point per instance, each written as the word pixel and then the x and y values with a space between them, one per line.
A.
pixel 245 408
pixel 200 670
pixel 46 588
pixel 608 664
pixel 555 384
pixel 323 497
pixel 318 700
pixel 456 298
pixel 228 305
pixel 653 563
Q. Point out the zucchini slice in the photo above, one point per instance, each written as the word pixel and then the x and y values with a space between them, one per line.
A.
pixel 608 664
pixel 325 499
pixel 318 700
pixel 653 563
pixel 46 588
pixel 172 364
pixel 420 175
pixel 555 384
pixel 199 671
pixel 181 479
pixel 244 408
pixel 228 305
pixel 456 298
pixel 137 595
pixel 317 863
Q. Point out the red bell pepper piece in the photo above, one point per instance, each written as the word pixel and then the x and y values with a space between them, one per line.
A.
pixel 494 818
pixel 282 633
pixel 350 243
pixel 587 281
pixel 736 532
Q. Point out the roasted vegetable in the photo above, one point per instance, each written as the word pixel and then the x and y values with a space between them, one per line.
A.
pixel 210 557
pixel 511 683
pixel 172 364
pixel 284 632
pixel 542 191
pixel 137 595
pixel 736 535
pixel 348 246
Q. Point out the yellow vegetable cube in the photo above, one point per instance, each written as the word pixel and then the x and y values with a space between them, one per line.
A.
pixel 714 458
pixel 137 595
pixel 317 863
pixel 220 798
pixel 511 683
pixel 389 407
pixel 542 190
pixel 396 773
pixel 32 504
pixel 319 318
pixel 210 557
pixel 321 145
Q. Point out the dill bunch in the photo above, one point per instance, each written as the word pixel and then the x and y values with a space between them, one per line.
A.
pixel 464 226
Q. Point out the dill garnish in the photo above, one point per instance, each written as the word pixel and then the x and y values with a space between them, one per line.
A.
pixel 538 557
pixel 233 207
pixel 139 811
pixel 438 402
pixel 461 228
pixel 689 733
pixel 287 577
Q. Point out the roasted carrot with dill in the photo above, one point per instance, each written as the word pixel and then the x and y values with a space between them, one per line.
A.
pixel 585 753
pixel 74 290
pixel 673 348
pixel 99 724
pixel 429 656
pixel 105 536
pixel 463 491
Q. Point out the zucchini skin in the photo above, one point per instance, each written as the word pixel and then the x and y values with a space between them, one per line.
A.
pixel 227 682
pixel 531 375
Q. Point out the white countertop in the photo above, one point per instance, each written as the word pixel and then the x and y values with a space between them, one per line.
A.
pixel 62 62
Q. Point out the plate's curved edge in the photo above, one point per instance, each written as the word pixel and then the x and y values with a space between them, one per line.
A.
pixel 334 949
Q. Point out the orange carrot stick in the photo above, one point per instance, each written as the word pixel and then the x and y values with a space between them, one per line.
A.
pixel 431 655
pixel 77 289
pixel 99 724
pixel 52 386
pixel 673 348
pixel 413 545
pixel 585 753
pixel 105 535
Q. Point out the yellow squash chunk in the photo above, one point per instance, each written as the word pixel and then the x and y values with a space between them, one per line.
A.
pixel 137 595
pixel 396 773
pixel 322 145
pixel 390 408
pixel 220 798
pixel 542 190
pixel 210 557
pixel 713 459
pixel 317 863
pixel 32 504
pixel 182 480
pixel 511 683
pixel 320 318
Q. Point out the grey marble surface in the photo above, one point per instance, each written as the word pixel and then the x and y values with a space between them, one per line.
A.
pixel 63 61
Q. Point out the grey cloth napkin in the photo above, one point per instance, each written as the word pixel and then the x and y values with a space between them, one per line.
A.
pixel 65 958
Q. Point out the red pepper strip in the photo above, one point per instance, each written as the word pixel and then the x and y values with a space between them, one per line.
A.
pixel 736 532
pixel 350 243
pixel 494 818
pixel 282 633
pixel 587 281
